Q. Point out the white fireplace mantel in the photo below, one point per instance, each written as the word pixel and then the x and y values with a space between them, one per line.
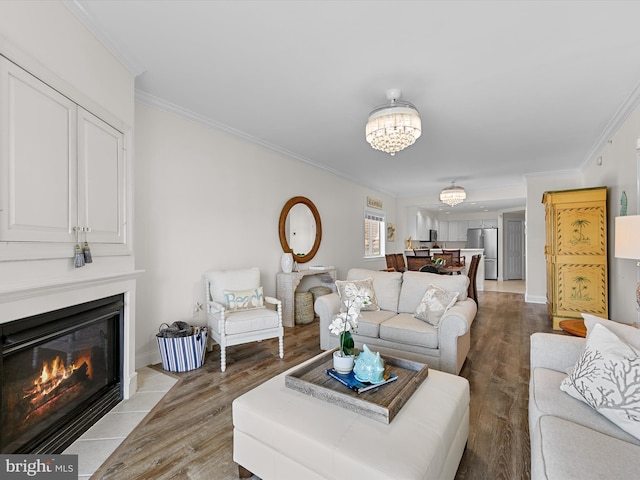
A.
pixel 26 299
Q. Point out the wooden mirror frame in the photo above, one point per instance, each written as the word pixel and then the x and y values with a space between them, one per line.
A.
pixel 282 228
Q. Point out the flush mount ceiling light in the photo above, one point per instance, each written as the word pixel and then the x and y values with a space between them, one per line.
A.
pixel 395 126
pixel 453 195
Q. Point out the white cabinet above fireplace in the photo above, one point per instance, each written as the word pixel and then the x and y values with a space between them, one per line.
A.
pixel 61 167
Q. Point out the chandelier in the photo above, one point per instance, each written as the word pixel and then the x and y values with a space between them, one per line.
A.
pixel 453 195
pixel 395 126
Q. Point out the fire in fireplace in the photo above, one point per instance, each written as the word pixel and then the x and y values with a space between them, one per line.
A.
pixel 60 372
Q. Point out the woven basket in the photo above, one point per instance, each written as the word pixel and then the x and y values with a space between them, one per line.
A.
pixel 304 308
pixel 318 292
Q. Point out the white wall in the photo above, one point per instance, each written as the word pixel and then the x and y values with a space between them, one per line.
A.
pixel 536 275
pixel 619 172
pixel 47 40
pixel 208 200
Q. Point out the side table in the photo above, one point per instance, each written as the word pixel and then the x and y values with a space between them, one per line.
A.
pixel 574 327
pixel 286 284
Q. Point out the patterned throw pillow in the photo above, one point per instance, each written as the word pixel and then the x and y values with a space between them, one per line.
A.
pixel 435 302
pixel 243 299
pixel 607 378
pixel 367 284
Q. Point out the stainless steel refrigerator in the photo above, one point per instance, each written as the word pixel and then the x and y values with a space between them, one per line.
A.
pixel 486 238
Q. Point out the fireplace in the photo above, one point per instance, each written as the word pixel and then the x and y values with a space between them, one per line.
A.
pixel 60 372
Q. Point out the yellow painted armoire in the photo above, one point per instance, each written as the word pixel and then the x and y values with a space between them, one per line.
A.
pixel 576 253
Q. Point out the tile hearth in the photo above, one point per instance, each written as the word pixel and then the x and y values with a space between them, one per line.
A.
pixel 100 441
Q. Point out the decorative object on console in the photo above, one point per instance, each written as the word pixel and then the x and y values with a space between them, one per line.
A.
pixel 627 241
pixel 453 195
pixel 369 366
pixel 286 262
pixel 394 126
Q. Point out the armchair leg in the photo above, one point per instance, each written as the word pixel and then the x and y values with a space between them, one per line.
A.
pixel 281 346
pixel 223 358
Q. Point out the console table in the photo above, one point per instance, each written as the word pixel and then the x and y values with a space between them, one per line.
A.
pixel 286 284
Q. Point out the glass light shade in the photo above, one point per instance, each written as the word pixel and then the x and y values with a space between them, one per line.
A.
pixel 627 241
pixel 394 127
pixel 453 195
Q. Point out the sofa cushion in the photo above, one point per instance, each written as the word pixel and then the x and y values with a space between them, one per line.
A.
pixel 369 322
pixel 434 304
pixel 385 284
pixel 570 450
pixel 548 399
pixel 624 331
pixel 365 286
pixel 415 284
pixel 606 378
pixel 405 328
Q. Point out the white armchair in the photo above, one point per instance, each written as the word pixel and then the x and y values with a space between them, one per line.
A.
pixel 238 312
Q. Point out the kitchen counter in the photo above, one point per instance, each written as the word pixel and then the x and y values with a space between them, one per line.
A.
pixel 467 253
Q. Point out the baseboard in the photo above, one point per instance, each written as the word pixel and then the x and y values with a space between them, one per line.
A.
pixel 148 358
pixel 535 299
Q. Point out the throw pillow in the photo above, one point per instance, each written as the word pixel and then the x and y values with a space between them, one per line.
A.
pixel 625 332
pixel 243 299
pixel 366 284
pixel 607 378
pixel 435 302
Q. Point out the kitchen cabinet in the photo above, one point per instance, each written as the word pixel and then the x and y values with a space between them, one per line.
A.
pixel 61 166
pixel 443 230
pixel 484 223
pixel 457 230
pixel 576 253
pixel 419 222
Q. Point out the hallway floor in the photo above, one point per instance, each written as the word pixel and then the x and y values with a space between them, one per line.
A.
pixel 510 286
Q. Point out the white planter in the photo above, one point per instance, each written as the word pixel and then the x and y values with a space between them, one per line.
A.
pixel 286 262
pixel 342 364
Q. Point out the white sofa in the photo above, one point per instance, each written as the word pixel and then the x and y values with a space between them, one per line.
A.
pixel 393 330
pixel 569 439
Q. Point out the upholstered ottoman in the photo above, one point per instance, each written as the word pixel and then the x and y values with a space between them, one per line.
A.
pixel 280 434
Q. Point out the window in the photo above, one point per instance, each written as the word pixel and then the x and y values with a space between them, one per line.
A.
pixel 374 229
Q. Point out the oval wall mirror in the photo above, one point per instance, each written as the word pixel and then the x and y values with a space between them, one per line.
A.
pixel 300 229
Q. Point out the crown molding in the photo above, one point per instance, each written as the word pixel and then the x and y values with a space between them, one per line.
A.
pixel 133 66
pixel 160 104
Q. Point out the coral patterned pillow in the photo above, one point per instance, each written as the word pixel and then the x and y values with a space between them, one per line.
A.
pixel 607 378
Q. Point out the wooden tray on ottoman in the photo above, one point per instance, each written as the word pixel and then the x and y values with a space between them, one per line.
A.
pixel 381 404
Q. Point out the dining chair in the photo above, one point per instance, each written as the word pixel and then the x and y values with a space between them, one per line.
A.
pixel 472 291
pixel 400 263
pixel 457 260
pixel 415 263
pixel 421 252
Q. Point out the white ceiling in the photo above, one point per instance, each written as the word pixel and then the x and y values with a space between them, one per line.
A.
pixel 504 88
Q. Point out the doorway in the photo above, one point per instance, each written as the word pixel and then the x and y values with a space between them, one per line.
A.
pixel 514 257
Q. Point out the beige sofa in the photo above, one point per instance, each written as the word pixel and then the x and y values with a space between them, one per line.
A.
pixel 569 439
pixel 393 330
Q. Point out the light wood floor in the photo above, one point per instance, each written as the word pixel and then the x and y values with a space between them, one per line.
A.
pixel 188 435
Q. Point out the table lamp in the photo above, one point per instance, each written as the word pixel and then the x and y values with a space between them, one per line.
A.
pixel 627 241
